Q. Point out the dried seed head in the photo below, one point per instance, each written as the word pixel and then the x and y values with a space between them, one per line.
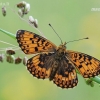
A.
pixel 21 4
pixel 4 11
pixel 36 23
pixel 33 21
pixel 24 8
pixel 27 8
pixel 18 60
pixel 10 52
pixel 25 60
pixel 20 12
pixel 1 57
pixel 10 58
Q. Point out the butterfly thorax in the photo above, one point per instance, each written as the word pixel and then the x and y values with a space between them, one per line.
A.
pixel 60 52
pixel 59 55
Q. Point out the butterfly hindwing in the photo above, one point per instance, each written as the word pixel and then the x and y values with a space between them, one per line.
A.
pixel 40 65
pixel 87 65
pixel 66 76
pixel 32 43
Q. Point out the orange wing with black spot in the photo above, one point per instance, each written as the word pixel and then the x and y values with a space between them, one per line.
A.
pixel 32 43
pixel 87 65
pixel 40 65
pixel 66 76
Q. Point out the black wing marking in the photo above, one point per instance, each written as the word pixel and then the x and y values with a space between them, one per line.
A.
pixel 66 76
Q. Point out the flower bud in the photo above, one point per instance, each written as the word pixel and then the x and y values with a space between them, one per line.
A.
pixel 10 58
pixel 1 57
pixel 31 19
pixel 10 52
pixel 18 60
pixel 4 11
pixel 36 23
pixel 21 4
pixel 27 8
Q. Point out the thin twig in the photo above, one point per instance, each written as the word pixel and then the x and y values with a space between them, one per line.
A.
pixel 27 22
pixel 8 43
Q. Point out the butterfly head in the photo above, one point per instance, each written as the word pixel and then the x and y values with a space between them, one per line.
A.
pixel 62 47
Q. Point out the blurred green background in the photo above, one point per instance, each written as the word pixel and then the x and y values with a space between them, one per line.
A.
pixel 72 19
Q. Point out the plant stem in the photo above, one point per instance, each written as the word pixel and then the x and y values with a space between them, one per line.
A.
pixel 8 43
pixel 8 33
pixel 96 79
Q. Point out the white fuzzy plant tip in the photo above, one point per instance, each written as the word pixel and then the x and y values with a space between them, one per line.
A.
pixel 21 4
pixel 24 8
pixel 27 8
pixel 33 21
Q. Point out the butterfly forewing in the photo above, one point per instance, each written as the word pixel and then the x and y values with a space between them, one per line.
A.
pixel 66 76
pixel 87 65
pixel 32 43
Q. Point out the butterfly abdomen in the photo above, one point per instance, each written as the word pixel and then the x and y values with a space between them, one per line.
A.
pixel 59 55
pixel 53 70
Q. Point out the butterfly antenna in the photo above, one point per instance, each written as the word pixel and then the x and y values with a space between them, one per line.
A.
pixel 78 40
pixel 56 33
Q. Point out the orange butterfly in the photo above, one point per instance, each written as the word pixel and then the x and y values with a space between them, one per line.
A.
pixel 56 63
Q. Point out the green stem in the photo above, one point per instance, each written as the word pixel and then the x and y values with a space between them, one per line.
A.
pixel 96 78
pixel 8 33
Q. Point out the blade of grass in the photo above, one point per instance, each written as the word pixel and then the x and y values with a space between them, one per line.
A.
pixel 8 33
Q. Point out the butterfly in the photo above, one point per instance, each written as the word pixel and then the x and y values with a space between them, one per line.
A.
pixel 56 63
